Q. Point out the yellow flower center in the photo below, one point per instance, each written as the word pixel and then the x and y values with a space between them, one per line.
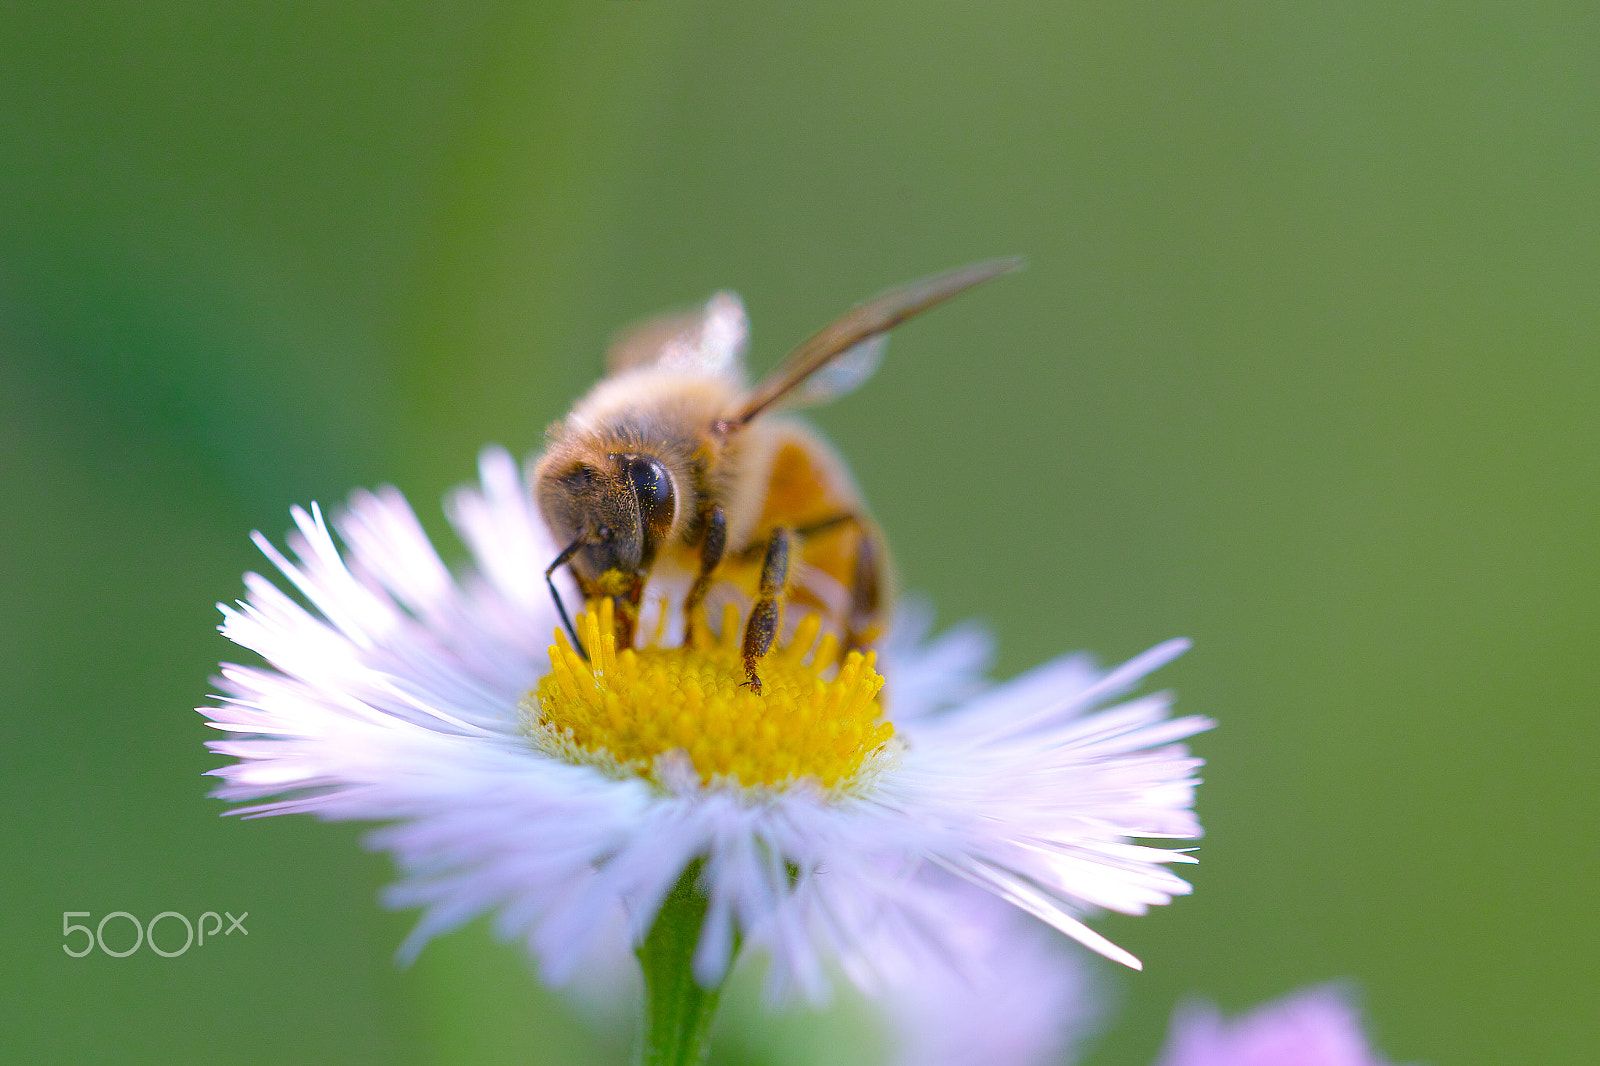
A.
pixel 816 718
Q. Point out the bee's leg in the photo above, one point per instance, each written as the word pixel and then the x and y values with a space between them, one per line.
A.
pixel 762 628
pixel 627 615
pixel 711 549
pixel 866 584
pixel 866 592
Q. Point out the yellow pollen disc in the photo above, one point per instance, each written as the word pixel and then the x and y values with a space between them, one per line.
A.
pixel 621 710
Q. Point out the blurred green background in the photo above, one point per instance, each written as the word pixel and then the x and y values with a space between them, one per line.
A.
pixel 1304 367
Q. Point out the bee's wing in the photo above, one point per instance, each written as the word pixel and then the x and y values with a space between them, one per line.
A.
pixel 841 356
pixel 844 373
pixel 706 340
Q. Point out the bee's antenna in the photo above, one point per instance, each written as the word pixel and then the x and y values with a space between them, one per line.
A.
pixel 566 553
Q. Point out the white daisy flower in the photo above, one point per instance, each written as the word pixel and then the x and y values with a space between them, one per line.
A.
pixel 565 796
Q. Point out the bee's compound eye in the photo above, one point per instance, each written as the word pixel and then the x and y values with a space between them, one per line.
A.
pixel 652 485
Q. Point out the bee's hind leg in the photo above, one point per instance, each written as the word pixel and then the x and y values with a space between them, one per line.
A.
pixel 767 613
pixel 867 579
pixel 866 593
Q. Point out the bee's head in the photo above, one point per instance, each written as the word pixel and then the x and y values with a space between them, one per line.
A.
pixel 620 506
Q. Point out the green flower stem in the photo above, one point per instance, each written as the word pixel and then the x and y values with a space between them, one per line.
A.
pixel 677 1010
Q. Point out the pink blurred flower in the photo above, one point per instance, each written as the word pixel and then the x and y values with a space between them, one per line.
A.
pixel 1014 996
pixel 1313 1027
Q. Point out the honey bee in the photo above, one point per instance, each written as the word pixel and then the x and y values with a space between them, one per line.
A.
pixel 671 461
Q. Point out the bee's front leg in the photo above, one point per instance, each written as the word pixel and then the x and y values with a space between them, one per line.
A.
pixel 625 590
pixel 762 628
pixel 712 546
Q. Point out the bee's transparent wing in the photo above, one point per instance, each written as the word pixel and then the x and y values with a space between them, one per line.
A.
pixel 842 355
pixel 707 340
pixel 845 373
